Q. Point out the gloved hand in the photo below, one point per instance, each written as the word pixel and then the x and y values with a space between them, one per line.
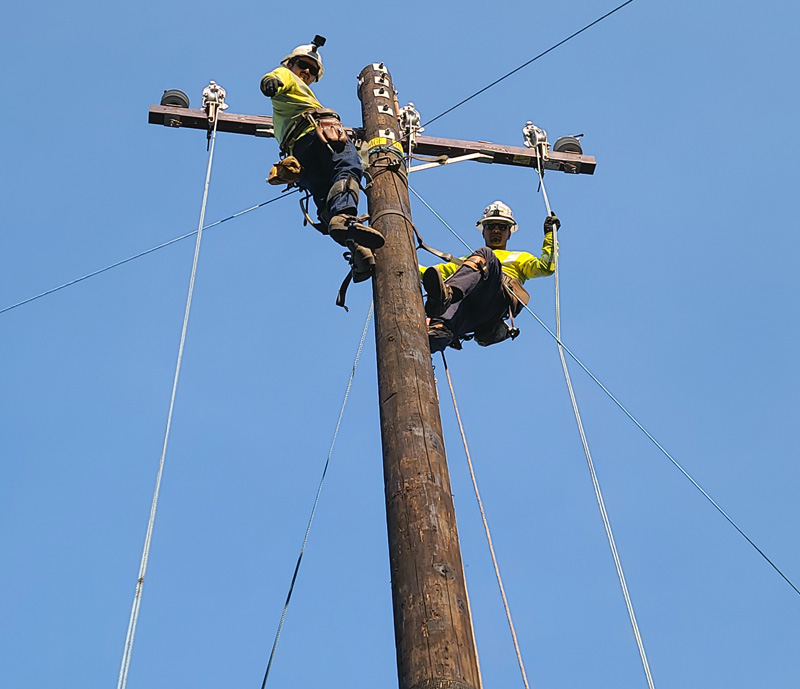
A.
pixel 270 86
pixel 551 222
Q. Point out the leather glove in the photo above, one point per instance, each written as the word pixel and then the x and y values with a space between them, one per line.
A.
pixel 551 222
pixel 270 86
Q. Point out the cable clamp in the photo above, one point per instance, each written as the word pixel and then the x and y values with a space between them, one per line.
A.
pixel 409 120
pixel 213 101
pixel 536 138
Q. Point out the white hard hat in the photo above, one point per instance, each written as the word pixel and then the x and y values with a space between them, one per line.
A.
pixel 497 211
pixel 311 52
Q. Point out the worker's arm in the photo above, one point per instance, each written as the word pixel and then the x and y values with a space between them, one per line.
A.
pixel 529 265
pixel 275 82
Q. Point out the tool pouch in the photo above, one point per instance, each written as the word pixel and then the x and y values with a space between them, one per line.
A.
pixel 518 296
pixel 328 127
pixel 498 332
pixel 286 171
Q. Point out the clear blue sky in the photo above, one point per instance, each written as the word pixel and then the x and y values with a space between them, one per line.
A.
pixel 679 291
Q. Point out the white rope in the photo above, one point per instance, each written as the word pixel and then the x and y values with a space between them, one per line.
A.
pixel 595 482
pixel 137 598
pixel 486 528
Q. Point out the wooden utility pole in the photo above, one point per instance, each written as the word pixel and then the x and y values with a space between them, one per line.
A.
pixel 433 627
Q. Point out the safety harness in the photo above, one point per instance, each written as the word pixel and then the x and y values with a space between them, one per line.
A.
pixel 516 295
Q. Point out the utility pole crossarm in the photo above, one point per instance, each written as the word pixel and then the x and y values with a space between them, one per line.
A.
pixel 173 116
pixel 505 155
pixel 261 125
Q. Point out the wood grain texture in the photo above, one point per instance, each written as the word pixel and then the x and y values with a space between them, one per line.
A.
pixel 433 629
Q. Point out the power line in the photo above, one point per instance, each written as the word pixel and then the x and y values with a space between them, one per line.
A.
pixel 663 450
pixel 139 255
pixel 532 60
pixel 316 497
pixel 655 442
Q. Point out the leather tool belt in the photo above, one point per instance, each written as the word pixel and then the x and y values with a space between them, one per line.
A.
pixel 328 127
pixel 326 124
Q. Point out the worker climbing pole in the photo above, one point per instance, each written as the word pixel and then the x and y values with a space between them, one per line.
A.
pixel 433 627
pixel 318 156
pixel 473 297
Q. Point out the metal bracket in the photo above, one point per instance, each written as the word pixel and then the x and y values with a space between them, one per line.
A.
pixel 381 92
pixel 385 109
pixel 213 101
pixel 380 67
pixel 268 132
pixel 479 157
pixel 536 138
pixel 409 120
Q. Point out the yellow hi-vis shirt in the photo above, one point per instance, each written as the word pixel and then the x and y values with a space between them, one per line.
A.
pixel 290 101
pixel 516 264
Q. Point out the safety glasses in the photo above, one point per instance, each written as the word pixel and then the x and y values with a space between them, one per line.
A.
pixel 310 66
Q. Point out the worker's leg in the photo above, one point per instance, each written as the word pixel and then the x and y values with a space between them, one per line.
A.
pixel 480 270
pixel 345 166
pixel 315 173
pixel 332 178
pixel 483 299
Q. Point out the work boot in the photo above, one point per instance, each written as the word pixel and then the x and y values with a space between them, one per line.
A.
pixel 440 337
pixel 440 296
pixel 344 227
pixel 363 264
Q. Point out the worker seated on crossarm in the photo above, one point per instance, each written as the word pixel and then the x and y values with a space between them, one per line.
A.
pixel 312 138
pixel 475 298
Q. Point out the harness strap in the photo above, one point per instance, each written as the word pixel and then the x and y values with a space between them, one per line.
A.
pixel 304 201
pixel 341 295
pixel 420 242
pixel 477 263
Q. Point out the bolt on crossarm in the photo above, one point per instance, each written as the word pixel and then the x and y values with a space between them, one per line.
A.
pixel 433 627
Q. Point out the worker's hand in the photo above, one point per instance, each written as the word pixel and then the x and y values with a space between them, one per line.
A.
pixel 270 86
pixel 551 222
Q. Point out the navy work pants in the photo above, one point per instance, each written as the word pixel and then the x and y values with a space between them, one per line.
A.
pixel 484 302
pixel 321 168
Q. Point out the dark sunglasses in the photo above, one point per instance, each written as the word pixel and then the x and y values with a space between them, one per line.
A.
pixel 488 225
pixel 310 66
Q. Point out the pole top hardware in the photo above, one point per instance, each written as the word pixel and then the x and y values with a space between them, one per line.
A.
pixel 409 120
pixel 175 97
pixel 568 144
pixel 213 100
pixel 536 138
